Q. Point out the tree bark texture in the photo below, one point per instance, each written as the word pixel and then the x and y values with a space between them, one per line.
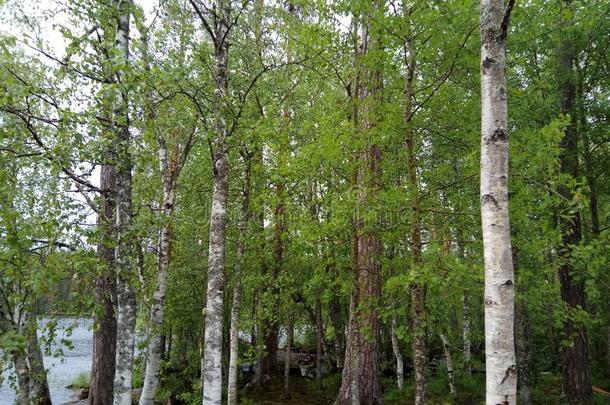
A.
pixel 396 349
pixel 126 310
pixel 449 361
pixel 39 387
pixel 576 375
pixel 501 369
pixel 360 382
pixel 105 331
pixel 417 288
pixel 241 250
pixel 212 354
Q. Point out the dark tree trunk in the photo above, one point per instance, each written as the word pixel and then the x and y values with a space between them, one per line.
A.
pixel 319 335
pixel 104 335
pixel 418 289
pixel 576 376
pixel 337 322
pixel 524 353
pixel 360 383
pixel 39 387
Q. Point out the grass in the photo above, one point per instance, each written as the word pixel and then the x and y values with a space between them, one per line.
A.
pixel 81 381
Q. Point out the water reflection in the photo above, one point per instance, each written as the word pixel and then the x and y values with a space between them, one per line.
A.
pixel 63 368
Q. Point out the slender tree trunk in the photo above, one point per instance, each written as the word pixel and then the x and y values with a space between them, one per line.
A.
pixel 170 166
pixel 418 289
pixel 39 387
pixel 241 250
pixel 155 343
pixel 588 162
pixel 349 393
pixel 450 375
pixel 465 316
pixel 126 312
pixel 501 370
pixel 319 336
pixel 105 331
pixel 212 356
pixel 339 341
pixel 289 342
pixel 396 349
pixel 524 353
pixel 20 361
pixel 576 375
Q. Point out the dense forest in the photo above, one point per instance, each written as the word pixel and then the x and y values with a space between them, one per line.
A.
pixel 308 201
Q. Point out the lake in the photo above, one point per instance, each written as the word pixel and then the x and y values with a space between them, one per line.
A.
pixel 62 368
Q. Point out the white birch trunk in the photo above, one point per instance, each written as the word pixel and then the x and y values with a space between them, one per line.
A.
pixel 212 353
pixel 126 310
pixel 234 332
pixel 466 335
pixel 449 361
pixel 23 377
pixel 155 343
pixel 234 345
pixel 396 349
pixel 211 372
pixel 501 370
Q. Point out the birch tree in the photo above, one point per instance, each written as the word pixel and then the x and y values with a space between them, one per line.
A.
pixel 500 364
pixel 217 24
pixel 236 305
pixel 172 157
pixel 126 301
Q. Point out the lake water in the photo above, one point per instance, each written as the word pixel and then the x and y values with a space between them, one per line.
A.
pixel 63 368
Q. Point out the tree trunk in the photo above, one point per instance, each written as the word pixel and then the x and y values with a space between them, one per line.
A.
pixel 105 331
pixel 349 393
pixel 155 343
pixel 465 316
pixel 397 354
pixel 501 370
pixel 339 341
pixel 576 374
pixel 289 339
pixel 39 387
pixel 364 342
pixel 418 289
pixel 466 335
pixel 211 372
pixel 241 250
pixel 319 336
pixel 447 353
pixel 524 353
pixel 20 361
pixel 126 312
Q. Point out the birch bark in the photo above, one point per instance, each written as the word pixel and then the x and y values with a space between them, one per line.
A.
pixel 126 309
pixel 241 250
pixel 211 372
pixel 396 349
pixel 449 360
pixel 501 370
pixel 170 165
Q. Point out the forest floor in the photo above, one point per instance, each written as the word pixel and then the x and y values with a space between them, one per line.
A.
pixel 306 391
